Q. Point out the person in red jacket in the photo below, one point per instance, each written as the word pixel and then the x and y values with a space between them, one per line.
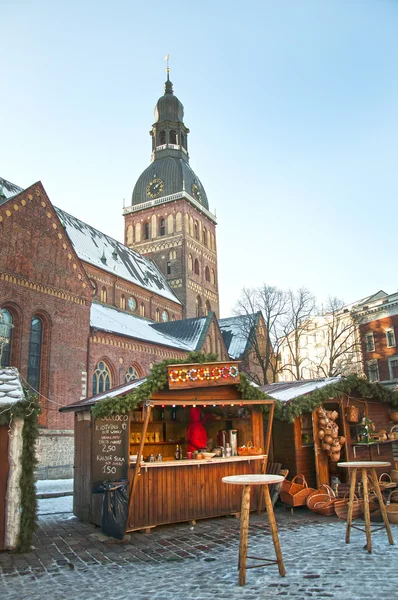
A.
pixel 196 433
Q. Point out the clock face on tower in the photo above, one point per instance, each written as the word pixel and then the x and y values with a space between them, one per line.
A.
pixel 132 303
pixel 154 188
pixel 196 192
pixel 165 316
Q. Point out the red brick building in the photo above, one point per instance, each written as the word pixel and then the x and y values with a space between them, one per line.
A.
pixel 378 326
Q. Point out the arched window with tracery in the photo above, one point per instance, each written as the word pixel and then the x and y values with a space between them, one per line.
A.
pixel 6 327
pixel 123 302
pixel 196 267
pixel 207 274
pixel 103 295
pixel 204 236
pixel 131 374
pixel 173 137
pixel 142 309
pixel 178 221
pixel 196 229
pixel 162 138
pixel 199 306
pixel 170 224
pixel 102 378
pixel 146 231
pixel 208 307
pixel 157 315
pixel 162 226
pixel 35 352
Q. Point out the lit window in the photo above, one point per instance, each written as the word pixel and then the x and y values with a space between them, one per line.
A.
pixel 390 337
pixel 35 349
pixel 131 374
pixel 393 367
pixel 101 378
pixel 373 370
pixel 370 342
pixel 6 334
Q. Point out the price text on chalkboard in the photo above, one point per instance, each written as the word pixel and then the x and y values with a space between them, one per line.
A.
pixel 110 448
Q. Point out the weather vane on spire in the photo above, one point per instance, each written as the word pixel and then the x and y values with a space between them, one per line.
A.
pixel 166 58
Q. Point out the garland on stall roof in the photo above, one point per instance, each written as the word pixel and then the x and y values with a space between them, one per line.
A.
pixel 28 410
pixel 155 381
pixel 288 411
pixel 158 380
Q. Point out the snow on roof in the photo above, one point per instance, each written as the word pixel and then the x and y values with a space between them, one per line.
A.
pixel 11 390
pixel 234 331
pixel 120 390
pixel 108 254
pixel 113 320
pixel 285 391
pixel 8 190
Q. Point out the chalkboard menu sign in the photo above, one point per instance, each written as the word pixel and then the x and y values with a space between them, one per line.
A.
pixel 110 449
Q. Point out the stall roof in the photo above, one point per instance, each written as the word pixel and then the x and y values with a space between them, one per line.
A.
pixel 106 318
pixel 85 404
pixel 288 390
pixel 11 390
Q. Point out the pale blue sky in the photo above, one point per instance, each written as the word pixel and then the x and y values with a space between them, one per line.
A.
pixel 292 107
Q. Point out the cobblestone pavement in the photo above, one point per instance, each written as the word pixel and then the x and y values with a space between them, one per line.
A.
pixel 182 562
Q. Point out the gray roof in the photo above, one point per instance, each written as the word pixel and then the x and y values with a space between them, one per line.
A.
pixel 8 190
pixel 176 175
pixel 168 107
pixel 236 334
pixel 120 390
pixel 11 390
pixel 188 331
pixel 108 254
pixel 287 390
pixel 106 318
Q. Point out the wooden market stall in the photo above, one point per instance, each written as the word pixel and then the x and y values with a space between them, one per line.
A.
pixel 339 419
pixel 162 488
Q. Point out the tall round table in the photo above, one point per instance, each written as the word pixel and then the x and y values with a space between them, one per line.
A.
pixel 247 481
pixel 366 466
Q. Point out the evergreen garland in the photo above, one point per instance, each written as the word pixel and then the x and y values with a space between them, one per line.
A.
pixel 288 411
pixel 28 410
pixel 158 380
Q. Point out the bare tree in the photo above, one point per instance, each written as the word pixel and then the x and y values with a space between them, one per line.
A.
pixel 261 311
pixel 300 309
pixel 337 347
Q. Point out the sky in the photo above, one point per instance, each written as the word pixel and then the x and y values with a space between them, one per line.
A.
pixel 292 107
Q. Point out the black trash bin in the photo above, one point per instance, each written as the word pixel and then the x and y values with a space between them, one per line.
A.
pixel 114 508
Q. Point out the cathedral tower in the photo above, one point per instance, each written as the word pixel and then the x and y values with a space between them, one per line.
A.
pixel 169 219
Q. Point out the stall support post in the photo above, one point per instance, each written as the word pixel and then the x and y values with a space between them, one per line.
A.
pixel 147 409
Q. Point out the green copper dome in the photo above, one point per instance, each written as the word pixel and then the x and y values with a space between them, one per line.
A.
pixel 170 158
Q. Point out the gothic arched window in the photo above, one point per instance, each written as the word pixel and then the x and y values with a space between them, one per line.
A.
pixel 204 236
pixel 146 231
pixel 142 309
pixel 131 374
pixel 162 138
pixel 157 316
pixel 35 351
pixel 6 332
pixel 196 267
pixel 123 302
pixel 199 306
pixel 196 229
pixel 173 137
pixel 102 378
pixel 207 274
pixel 208 307
pixel 162 227
pixel 103 295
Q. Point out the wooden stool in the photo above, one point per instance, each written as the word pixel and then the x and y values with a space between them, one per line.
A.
pixel 247 481
pixel 366 466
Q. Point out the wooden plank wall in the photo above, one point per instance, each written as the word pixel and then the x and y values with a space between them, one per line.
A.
pixel 173 494
pixel 4 468
pixel 82 469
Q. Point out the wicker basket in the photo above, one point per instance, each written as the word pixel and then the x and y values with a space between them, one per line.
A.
pixel 352 414
pixel 394 415
pixel 392 509
pixel 341 508
pixel 321 501
pixel 295 492
pixel 386 483
pixel 394 475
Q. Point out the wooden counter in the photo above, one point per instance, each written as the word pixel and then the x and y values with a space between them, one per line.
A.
pixel 187 490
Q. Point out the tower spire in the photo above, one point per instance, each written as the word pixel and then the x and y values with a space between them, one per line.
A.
pixel 168 86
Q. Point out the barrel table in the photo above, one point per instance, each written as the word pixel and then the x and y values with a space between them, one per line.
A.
pixel 247 481
pixel 365 467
